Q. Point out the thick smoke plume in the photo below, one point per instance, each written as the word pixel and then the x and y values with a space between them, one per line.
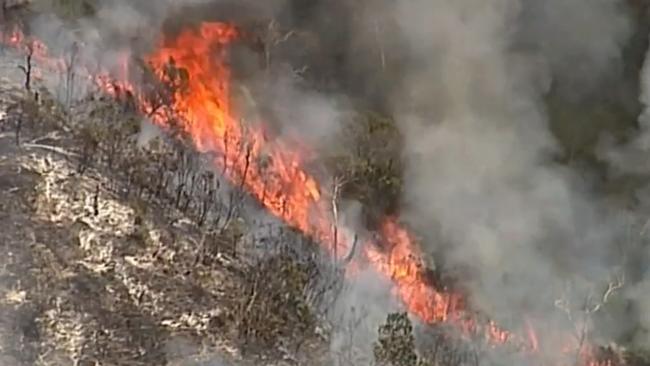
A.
pixel 530 238
pixel 580 40
pixel 629 161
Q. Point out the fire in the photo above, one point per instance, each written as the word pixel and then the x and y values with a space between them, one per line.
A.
pixel 272 172
pixel 267 170
pixel 16 39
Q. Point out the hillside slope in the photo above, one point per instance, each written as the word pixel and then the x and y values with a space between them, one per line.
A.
pixel 92 275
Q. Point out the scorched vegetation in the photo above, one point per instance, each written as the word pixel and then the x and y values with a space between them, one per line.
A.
pixel 162 207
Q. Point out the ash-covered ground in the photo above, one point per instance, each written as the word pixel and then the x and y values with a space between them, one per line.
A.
pixel 91 276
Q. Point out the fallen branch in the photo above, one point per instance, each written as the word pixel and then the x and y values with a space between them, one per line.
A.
pixel 55 149
pixel 51 135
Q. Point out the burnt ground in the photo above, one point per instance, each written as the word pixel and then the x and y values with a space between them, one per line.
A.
pixel 89 278
pixel 80 288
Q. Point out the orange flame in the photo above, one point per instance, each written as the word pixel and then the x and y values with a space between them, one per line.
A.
pixel 273 174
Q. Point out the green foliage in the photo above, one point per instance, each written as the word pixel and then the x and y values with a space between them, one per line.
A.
pixel 395 345
pixel 372 169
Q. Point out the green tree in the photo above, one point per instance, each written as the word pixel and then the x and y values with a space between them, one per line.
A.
pixel 395 345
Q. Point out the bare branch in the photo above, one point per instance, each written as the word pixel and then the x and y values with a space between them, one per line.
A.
pixel 337 184
pixel 612 287
pixel 51 148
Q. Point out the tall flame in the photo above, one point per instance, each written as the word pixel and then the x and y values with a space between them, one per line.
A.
pixel 273 173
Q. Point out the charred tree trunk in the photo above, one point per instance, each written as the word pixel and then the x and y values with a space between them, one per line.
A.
pixel 27 68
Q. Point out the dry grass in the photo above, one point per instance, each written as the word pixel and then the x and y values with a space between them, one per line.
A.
pixel 103 294
pixel 92 276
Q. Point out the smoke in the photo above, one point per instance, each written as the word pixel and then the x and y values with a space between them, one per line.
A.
pixel 526 234
pixel 121 31
pixel 481 161
pixel 580 39
pixel 624 158
pixel 304 115
pixel 357 313
pixel 628 161
pixel 630 156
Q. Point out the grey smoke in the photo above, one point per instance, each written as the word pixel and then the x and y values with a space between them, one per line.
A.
pixel 631 157
pixel 304 115
pixel 358 311
pixel 482 183
pixel 123 29
pixel 639 294
pixel 148 132
pixel 581 39
pixel 480 156
pixel 630 161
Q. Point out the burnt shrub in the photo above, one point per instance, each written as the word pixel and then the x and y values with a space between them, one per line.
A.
pixel 272 301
